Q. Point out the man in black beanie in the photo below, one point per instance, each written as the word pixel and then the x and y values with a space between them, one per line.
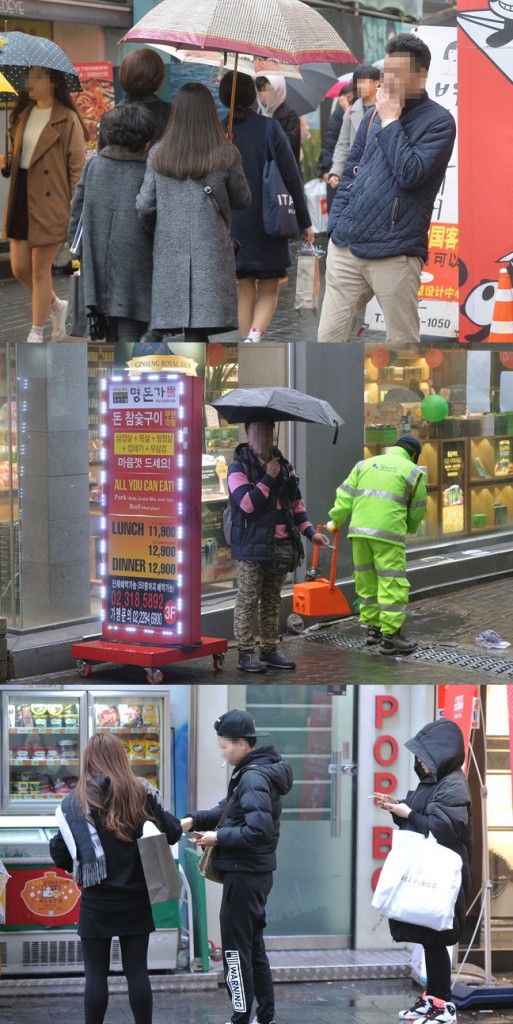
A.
pixel 244 830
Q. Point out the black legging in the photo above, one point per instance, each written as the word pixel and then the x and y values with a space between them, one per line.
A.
pixel 134 956
pixel 438 971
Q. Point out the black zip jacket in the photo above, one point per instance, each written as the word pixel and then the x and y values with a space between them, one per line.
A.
pixel 248 836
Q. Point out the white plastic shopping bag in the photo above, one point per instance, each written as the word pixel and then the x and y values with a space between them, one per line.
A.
pixel 317 202
pixel 419 882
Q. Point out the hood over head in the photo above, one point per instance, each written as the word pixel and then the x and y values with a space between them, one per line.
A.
pixel 268 761
pixel 440 746
pixel 278 95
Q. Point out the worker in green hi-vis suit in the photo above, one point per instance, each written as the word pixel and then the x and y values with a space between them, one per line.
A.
pixel 386 498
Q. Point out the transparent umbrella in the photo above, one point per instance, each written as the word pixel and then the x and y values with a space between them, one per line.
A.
pixel 283 30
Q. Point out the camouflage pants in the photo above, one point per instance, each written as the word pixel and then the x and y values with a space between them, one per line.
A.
pixel 259 591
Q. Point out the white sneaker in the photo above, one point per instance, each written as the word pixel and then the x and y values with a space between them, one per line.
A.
pixel 58 321
pixel 419 1009
pixel 35 338
pixel 441 1013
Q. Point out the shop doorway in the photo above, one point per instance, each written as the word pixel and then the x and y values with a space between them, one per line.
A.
pixel 311 904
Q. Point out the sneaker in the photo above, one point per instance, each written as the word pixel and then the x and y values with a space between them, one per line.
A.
pixel 276 660
pixel 419 1009
pixel 440 1012
pixel 58 321
pixel 396 643
pixel 35 338
pixel 373 636
pixel 248 662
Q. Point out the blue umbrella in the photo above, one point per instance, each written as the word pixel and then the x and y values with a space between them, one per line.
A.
pixel 20 51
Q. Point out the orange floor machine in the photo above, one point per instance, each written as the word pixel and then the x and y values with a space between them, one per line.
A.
pixel 317 596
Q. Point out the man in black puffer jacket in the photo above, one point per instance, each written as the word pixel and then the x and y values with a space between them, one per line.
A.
pixel 380 217
pixel 245 843
pixel 441 805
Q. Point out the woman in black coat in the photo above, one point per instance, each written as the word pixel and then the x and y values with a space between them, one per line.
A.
pixel 99 825
pixel 262 259
pixel 440 805
pixel 141 75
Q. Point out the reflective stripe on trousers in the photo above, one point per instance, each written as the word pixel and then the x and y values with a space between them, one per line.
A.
pixel 381 583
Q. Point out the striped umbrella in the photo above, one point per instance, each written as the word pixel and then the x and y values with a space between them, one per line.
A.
pixel 283 30
pixel 20 51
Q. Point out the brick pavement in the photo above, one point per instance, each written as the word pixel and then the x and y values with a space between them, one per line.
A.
pixel 287 324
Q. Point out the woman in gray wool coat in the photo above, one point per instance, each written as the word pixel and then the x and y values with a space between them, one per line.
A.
pixel 116 259
pixel 194 176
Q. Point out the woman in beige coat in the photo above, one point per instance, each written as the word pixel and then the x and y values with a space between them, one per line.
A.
pixel 48 153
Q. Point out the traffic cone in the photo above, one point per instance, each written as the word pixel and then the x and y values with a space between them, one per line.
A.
pixel 501 330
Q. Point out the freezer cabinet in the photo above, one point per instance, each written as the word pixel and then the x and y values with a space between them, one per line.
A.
pixel 43 735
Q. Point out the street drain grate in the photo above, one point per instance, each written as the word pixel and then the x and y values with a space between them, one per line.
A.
pixel 435 655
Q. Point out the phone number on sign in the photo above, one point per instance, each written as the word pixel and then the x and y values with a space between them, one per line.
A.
pixel 136 599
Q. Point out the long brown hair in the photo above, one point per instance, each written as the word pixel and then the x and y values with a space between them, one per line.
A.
pixel 60 92
pixel 108 785
pixel 193 143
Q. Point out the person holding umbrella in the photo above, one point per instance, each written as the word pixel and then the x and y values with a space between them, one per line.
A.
pixel 269 521
pixel 263 260
pixel 48 152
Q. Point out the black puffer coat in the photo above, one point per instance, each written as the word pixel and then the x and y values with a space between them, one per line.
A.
pixel 249 834
pixel 441 805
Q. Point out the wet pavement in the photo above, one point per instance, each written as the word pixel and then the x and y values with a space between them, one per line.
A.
pixel 444 626
pixel 307 1003
pixel 287 324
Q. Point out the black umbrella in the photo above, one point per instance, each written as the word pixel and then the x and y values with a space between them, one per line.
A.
pixel 20 51
pixel 306 93
pixel 282 403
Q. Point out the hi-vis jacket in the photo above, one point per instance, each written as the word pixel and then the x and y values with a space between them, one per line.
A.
pixel 386 497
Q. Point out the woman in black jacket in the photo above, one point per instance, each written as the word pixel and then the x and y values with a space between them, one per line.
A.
pixel 99 825
pixel 440 805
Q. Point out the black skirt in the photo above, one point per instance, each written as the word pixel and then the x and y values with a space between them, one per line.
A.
pixel 17 226
pixel 108 912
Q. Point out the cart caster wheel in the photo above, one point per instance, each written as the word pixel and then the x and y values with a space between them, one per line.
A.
pixel 215 952
pixel 295 624
pixel 154 675
pixel 84 669
pixel 218 662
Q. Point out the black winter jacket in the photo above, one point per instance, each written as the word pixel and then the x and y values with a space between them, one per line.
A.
pixel 249 834
pixel 330 139
pixel 440 805
pixel 291 125
pixel 384 203
pixel 253 532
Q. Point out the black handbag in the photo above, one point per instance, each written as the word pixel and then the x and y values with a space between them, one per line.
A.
pixel 76 318
pixel 286 557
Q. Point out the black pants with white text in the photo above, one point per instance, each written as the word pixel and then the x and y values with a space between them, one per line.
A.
pixel 246 968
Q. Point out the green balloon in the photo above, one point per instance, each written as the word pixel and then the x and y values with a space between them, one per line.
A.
pixel 434 408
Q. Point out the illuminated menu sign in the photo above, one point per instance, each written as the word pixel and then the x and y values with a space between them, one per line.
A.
pixel 151 571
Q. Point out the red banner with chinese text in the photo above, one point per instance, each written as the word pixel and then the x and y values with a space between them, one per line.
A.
pixel 460 704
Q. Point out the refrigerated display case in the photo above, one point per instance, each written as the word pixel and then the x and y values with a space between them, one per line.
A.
pixel 43 735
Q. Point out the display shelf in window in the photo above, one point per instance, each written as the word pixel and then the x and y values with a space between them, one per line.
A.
pixel 491 459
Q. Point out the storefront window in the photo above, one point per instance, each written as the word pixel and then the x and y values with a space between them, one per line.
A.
pixel 9 517
pixel 315 733
pixel 460 405
pixel 499 811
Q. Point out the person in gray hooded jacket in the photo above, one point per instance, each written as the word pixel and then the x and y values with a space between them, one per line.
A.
pixel 244 845
pixel 440 805
pixel 116 261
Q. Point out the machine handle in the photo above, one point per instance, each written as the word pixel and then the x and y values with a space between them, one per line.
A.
pixel 334 554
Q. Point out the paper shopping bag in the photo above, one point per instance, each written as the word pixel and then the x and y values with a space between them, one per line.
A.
pixel 159 868
pixel 419 882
